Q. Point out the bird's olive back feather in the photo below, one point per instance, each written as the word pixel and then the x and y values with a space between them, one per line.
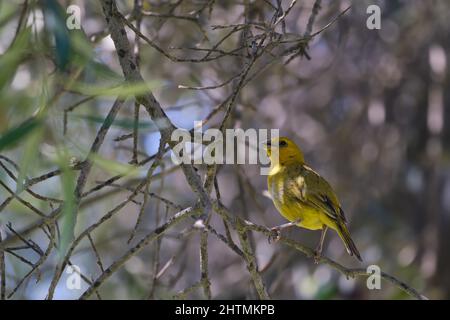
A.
pixel 320 195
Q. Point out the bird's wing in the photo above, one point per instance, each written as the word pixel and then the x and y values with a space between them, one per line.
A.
pixel 316 192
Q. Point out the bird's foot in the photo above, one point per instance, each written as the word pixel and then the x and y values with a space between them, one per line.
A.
pixel 317 256
pixel 276 231
pixel 275 234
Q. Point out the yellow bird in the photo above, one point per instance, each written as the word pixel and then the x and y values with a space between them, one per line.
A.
pixel 302 196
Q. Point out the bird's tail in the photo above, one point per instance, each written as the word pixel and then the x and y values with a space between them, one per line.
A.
pixel 349 244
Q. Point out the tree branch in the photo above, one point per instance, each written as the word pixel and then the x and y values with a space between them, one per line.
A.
pixel 130 70
pixel 155 234
pixel 348 272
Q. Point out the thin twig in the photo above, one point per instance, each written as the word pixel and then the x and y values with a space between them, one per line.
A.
pixel 251 262
pixel 97 255
pixel 155 234
pixel 310 253
pixel 148 180
pixel 2 271
pixel 42 258
pixel 82 179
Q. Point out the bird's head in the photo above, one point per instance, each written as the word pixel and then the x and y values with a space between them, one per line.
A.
pixel 283 150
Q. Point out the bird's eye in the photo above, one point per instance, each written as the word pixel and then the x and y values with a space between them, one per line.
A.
pixel 283 143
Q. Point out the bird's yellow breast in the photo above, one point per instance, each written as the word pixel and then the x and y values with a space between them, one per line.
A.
pixel 284 192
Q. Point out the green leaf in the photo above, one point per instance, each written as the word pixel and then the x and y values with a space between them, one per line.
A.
pixel 29 157
pixel 32 142
pixel 124 90
pixel 68 213
pixel 55 23
pixel 114 167
pixel 14 135
pixel 12 58
pixel 8 12
pixel 121 123
pixel 84 57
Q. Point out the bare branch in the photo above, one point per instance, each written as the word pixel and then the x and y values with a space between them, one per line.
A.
pixel 177 218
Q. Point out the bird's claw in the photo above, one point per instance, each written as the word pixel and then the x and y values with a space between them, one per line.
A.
pixel 275 235
pixel 317 257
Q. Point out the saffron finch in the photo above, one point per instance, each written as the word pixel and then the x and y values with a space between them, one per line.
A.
pixel 302 196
